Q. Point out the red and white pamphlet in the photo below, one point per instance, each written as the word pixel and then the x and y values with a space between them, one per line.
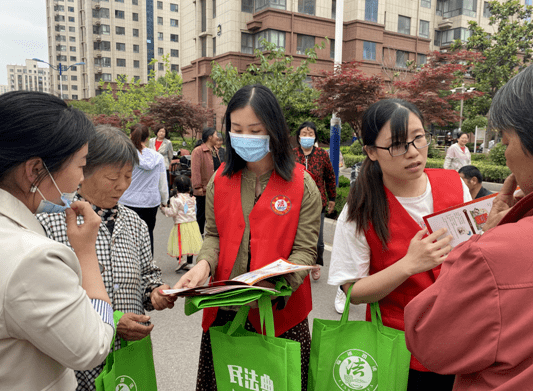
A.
pixel 463 220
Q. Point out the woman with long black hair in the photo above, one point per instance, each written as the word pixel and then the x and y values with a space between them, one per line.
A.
pixel 381 243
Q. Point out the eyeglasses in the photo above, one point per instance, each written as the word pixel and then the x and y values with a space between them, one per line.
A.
pixel 399 149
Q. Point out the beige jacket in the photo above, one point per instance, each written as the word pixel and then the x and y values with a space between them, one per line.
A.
pixel 47 322
pixel 165 149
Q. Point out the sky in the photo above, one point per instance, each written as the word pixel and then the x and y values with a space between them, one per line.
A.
pixel 22 33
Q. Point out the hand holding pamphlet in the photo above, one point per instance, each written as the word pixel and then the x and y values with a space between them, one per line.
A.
pixel 463 220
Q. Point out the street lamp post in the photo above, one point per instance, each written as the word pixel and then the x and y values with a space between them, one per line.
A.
pixel 60 69
pixel 462 90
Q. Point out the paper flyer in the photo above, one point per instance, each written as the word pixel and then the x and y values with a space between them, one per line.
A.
pixel 462 221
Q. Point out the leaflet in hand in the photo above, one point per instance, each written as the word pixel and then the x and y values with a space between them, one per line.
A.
pixel 462 221
pixel 246 280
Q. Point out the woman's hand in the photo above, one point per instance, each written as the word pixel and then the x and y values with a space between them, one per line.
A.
pixel 503 203
pixel 160 301
pixel 426 253
pixel 82 237
pixel 197 276
pixel 129 329
pixel 331 206
pixel 264 284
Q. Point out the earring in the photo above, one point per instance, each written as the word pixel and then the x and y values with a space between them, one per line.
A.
pixel 33 189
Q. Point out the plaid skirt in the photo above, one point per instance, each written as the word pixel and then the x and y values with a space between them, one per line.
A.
pixel 206 380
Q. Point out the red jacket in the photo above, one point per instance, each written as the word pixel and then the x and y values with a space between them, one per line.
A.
pixel 447 190
pixel 476 320
pixel 272 230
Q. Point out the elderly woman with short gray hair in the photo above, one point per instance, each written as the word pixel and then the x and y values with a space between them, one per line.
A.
pixel 131 278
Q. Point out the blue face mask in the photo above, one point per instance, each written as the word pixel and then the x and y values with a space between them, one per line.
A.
pixel 46 206
pixel 251 148
pixel 307 142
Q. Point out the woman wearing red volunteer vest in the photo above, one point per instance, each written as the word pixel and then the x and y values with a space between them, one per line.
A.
pixel 260 206
pixel 380 241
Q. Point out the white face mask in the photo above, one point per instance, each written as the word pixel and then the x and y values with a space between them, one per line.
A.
pixel 46 206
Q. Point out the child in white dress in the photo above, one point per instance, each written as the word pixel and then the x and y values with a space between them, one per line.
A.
pixel 185 237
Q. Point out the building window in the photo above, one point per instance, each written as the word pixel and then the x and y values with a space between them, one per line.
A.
pixel 102 77
pixel 160 51
pixel 120 30
pixel 173 7
pixel 73 68
pixel 425 3
pixel 73 58
pixel 262 4
pixel 119 1
pixel 70 9
pixel 159 5
pixel 174 53
pixel 451 8
pixel 102 45
pixel 60 18
pixel 160 20
pixel 333 9
pixel 332 48
pixel 121 47
pixel 421 59
pixel 369 51
pixel 247 6
pixel 404 25
pixel 74 96
pixel 214 9
pixel 160 36
pixel 203 45
pixel 60 28
pixel 304 42
pixel 446 37
pixel 174 68
pixel 61 38
pixel 102 62
pixel 135 17
pixel 74 87
pixel 72 48
pixel 59 8
pixel 73 77
pixel 214 47
pixel 401 59
pixel 203 15
pixel 101 13
pixel 306 7
pixel 135 32
pixel 71 19
pixel 424 29
pixel 486 9
pixel 71 29
pixel 72 39
pixel 121 62
pixel 61 48
pixel 61 58
pixel 371 10
pixel 135 48
pixel 135 2
pixel 274 36
pixel 119 14
pixel 174 38
pixel 247 43
pixel 136 64
pixel 160 66
pixel 136 78
pixel 174 22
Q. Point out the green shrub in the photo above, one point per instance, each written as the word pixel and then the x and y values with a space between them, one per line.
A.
pixel 345 149
pixel 497 154
pixel 178 144
pixel 434 152
pixel 493 172
pixel 344 182
pixel 479 157
pixel 342 196
pixel 350 160
pixel 470 147
pixel 356 148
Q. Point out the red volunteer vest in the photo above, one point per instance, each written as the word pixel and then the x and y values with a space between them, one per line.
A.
pixel 273 225
pixel 447 190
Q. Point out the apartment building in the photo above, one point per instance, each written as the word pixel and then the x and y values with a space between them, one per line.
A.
pixel 116 39
pixel 4 88
pixel 29 77
pixel 382 34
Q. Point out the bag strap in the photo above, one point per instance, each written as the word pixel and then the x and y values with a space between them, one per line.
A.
pixel 375 312
pixel 110 360
pixel 344 318
pixel 240 319
pixel 266 316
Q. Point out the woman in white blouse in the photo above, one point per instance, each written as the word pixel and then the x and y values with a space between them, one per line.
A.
pixel 458 154
pixel 51 321
pixel 162 144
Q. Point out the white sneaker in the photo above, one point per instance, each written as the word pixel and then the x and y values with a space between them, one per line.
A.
pixel 340 300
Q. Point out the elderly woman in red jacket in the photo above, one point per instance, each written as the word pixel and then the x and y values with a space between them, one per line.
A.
pixel 475 320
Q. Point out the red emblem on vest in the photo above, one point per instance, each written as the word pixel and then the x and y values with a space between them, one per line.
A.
pixel 280 205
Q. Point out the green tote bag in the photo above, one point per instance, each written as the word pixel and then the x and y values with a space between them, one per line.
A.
pixel 357 355
pixel 130 368
pixel 245 360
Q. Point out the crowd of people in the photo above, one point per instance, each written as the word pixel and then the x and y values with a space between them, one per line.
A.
pixel 78 200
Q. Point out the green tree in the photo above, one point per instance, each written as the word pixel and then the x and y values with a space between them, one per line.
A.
pixel 275 71
pixel 469 125
pixel 506 50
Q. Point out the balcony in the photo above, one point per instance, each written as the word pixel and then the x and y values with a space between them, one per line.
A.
pixel 254 25
pixel 98 69
pixel 98 37
pixel 97 6
pixel 445 24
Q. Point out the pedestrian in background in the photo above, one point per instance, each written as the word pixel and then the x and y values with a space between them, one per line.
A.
pixel 316 162
pixel 473 179
pixel 475 321
pixel 149 187
pixel 381 243
pixel 458 154
pixel 220 150
pixel 185 237
pixel 51 320
pixel 261 206
pixel 162 144
pixel 203 161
